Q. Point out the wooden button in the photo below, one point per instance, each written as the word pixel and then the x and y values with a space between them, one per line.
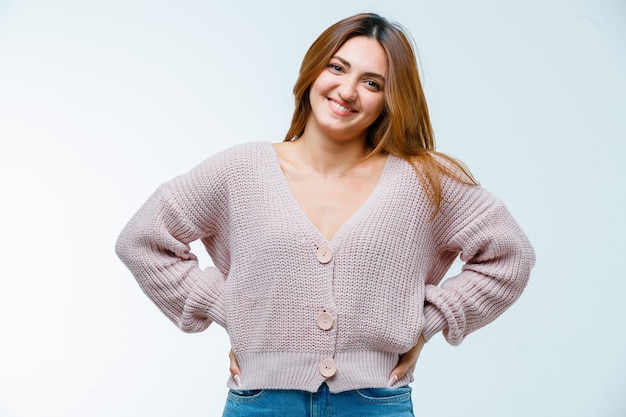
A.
pixel 328 368
pixel 324 254
pixel 325 321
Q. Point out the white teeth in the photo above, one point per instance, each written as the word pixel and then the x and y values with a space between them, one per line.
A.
pixel 340 107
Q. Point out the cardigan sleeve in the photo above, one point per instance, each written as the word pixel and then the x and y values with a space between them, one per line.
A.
pixel 154 245
pixel 497 256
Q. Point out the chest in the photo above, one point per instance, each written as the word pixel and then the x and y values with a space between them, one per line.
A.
pixel 328 204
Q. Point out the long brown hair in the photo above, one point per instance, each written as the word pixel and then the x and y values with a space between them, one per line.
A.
pixel 403 128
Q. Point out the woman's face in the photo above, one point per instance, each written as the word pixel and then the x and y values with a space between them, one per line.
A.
pixel 348 95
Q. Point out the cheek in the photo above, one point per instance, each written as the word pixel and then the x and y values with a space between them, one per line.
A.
pixel 320 84
pixel 378 107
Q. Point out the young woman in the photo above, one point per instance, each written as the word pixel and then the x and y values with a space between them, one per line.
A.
pixel 330 248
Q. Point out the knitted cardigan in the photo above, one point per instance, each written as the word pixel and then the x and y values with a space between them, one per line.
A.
pixel 378 279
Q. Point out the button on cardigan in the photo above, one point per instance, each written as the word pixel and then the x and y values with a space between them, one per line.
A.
pixel 378 281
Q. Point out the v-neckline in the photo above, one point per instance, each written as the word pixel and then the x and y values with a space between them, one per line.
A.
pixel 293 206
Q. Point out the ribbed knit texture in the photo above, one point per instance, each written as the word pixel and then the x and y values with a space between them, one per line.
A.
pixel 382 286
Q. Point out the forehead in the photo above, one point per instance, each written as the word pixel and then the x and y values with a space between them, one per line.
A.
pixel 364 54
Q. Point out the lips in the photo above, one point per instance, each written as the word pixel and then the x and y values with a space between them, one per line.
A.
pixel 341 108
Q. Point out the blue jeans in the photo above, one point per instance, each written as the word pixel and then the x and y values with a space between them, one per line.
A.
pixel 371 402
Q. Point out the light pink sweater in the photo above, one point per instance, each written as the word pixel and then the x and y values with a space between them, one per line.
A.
pixel 378 280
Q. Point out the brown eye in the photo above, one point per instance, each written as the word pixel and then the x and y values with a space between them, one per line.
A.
pixel 335 68
pixel 373 85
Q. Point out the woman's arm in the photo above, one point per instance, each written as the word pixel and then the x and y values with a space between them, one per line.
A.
pixel 154 245
pixel 498 259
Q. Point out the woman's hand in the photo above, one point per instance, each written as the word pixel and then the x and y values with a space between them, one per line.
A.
pixel 234 368
pixel 407 362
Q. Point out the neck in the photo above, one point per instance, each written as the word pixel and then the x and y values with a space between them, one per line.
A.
pixel 331 158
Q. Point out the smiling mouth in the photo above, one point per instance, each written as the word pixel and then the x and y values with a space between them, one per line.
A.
pixel 341 108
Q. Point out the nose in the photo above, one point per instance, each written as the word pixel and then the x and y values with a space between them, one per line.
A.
pixel 347 90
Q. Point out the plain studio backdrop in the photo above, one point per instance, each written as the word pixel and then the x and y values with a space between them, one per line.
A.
pixel 100 102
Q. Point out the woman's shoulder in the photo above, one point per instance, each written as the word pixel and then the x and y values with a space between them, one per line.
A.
pixel 226 169
pixel 237 156
pixel 245 150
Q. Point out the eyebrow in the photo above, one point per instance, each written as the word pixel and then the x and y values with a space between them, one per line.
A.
pixel 368 74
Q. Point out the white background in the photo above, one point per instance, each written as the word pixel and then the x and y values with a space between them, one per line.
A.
pixel 101 101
